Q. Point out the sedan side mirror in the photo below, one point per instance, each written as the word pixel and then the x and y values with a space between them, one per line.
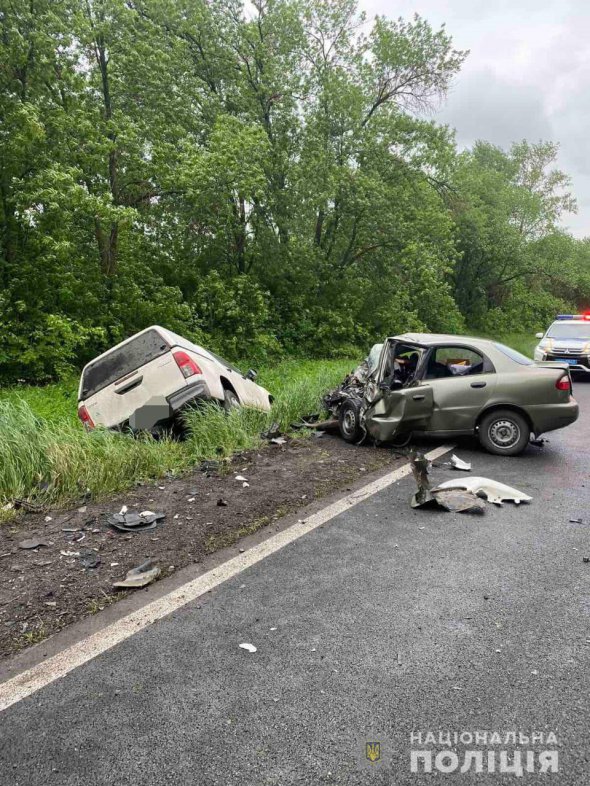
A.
pixel 251 375
pixel 539 335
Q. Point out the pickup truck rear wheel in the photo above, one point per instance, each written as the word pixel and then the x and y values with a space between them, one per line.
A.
pixel 504 432
pixel 349 420
pixel 230 401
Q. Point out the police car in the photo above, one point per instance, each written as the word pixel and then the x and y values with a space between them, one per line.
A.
pixel 567 341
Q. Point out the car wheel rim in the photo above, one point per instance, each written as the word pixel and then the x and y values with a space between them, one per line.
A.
pixel 504 433
pixel 349 421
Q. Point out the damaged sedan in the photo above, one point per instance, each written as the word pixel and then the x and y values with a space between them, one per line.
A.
pixel 448 386
pixel 145 382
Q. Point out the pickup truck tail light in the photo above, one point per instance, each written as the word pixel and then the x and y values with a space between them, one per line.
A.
pixel 84 416
pixel 186 364
pixel 564 384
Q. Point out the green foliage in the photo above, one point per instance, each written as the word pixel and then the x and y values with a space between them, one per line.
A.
pixel 258 178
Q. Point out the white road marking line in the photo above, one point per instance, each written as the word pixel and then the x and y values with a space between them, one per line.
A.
pixel 37 677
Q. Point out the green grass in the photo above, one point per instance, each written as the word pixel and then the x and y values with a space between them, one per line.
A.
pixel 46 456
pixel 523 342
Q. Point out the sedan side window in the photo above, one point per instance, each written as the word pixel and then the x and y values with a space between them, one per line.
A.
pixel 454 362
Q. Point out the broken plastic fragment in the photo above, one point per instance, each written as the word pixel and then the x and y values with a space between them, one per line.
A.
pixel 123 510
pixel 457 463
pixel 420 470
pixel 139 577
pixel 135 522
pixel 89 559
pixel 33 543
pixel 249 647
pixel 492 490
pixel 459 501
pixel 240 477
pixel 272 432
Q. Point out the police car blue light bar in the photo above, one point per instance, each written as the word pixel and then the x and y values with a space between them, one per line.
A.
pixel 586 315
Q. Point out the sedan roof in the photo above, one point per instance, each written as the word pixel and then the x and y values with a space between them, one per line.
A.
pixel 434 339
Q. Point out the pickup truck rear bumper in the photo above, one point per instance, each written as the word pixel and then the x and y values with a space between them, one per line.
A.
pixel 198 389
pixel 159 411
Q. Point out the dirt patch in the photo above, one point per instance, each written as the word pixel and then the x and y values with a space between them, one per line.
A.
pixel 44 589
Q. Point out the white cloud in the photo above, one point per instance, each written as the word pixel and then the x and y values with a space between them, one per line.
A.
pixel 527 76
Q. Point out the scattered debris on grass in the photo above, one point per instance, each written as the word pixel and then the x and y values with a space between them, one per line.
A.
pixel 305 471
pixel 248 647
pixel 272 432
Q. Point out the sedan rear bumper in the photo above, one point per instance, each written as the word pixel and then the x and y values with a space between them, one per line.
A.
pixel 549 417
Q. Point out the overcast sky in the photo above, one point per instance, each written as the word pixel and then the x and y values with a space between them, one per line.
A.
pixel 527 77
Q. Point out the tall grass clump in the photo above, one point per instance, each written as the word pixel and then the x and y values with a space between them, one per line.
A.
pixel 52 462
pixel 297 387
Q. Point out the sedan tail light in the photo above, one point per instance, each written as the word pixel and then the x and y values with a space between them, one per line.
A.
pixel 564 384
pixel 186 364
pixel 84 416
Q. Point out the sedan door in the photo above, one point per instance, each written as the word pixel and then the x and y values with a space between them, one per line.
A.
pixel 392 411
pixel 462 380
pixel 399 412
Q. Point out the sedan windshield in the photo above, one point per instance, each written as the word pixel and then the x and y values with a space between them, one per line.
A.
pixel 577 330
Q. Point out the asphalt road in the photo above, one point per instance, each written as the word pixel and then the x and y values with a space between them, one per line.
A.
pixel 384 622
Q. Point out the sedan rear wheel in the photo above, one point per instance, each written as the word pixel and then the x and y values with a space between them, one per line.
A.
pixel 504 432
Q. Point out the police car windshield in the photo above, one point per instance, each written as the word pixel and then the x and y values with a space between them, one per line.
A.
pixel 579 330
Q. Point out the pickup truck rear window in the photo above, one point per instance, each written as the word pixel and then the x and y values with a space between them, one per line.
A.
pixel 121 361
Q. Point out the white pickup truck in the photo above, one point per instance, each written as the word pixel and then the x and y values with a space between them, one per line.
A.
pixel 146 380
